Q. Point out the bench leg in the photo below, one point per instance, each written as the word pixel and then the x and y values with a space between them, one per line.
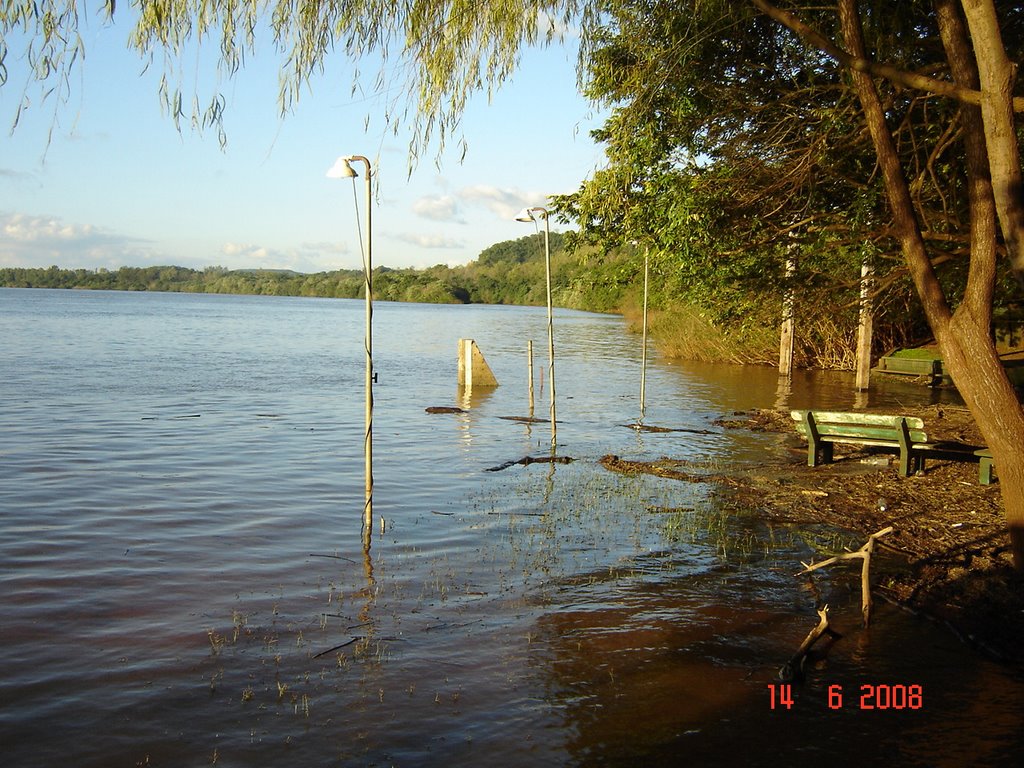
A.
pixel 826 452
pixel 907 462
pixel 816 449
pixel 985 470
pixel 911 463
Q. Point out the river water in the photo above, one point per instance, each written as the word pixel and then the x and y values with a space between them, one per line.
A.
pixel 184 582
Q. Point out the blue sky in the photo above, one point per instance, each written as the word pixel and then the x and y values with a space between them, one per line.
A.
pixel 118 185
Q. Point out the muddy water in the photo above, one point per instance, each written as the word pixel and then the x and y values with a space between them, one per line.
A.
pixel 184 582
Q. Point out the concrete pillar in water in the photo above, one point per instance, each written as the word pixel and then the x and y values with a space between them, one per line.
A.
pixel 788 332
pixel 473 368
pixel 865 327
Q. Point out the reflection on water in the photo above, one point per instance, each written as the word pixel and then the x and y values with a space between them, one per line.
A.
pixel 184 583
pixel 666 672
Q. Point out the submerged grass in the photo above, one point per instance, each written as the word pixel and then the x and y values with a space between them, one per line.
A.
pixel 546 537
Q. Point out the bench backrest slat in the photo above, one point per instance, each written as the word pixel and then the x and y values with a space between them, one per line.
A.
pixel 874 419
pixel 859 426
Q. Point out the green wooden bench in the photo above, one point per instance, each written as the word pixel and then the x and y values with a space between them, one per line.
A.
pixel 902 433
pixel 985 465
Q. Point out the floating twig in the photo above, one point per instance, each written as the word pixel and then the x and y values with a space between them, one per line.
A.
pixel 333 557
pixel 337 647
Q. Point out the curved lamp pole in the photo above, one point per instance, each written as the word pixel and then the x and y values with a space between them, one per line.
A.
pixel 535 215
pixel 342 169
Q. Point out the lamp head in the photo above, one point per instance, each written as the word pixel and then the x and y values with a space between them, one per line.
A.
pixel 342 169
pixel 532 214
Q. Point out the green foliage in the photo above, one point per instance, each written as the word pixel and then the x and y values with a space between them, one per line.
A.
pixel 734 147
pixel 517 251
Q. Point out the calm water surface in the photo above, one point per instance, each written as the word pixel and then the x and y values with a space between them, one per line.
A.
pixel 184 583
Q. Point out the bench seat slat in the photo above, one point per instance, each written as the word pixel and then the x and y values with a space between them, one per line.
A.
pixel 852 432
pixel 874 419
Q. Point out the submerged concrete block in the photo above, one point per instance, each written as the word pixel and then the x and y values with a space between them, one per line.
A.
pixel 473 368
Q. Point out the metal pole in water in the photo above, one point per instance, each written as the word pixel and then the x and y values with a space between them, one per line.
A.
pixel 368 286
pixel 643 355
pixel 342 169
pixel 551 333
pixel 529 370
pixel 532 214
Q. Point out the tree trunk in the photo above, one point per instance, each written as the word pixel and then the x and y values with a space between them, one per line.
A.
pixel 997 74
pixel 970 355
pixel 969 348
pixel 964 338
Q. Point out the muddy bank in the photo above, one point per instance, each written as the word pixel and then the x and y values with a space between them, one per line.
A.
pixel 948 528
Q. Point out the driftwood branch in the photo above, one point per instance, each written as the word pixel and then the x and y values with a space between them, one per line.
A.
pixel 793 669
pixel 864 553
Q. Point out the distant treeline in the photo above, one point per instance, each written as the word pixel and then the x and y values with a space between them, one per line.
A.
pixel 736 321
pixel 510 272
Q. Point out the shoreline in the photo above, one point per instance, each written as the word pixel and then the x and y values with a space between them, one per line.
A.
pixel 949 558
pixel 949 528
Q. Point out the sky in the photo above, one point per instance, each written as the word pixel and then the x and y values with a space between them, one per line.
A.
pixel 105 179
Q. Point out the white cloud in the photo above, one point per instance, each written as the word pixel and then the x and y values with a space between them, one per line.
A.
pixel 430 241
pixel 309 257
pixel 41 229
pixel 245 250
pixel 442 208
pixel 41 241
pixel 547 23
pixel 504 202
pixel 15 176
pixel 328 247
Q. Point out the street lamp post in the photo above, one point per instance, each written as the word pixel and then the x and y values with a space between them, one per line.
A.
pixel 342 169
pixel 534 214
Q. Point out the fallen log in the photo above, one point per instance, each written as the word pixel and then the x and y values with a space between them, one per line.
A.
pixel 864 554
pixel 649 428
pixel 532 460
pixel 443 409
